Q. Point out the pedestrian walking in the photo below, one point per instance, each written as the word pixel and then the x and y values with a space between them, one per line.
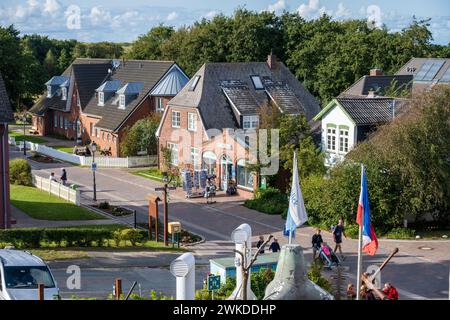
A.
pixel 52 177
pixel 275 246
pixel 338 232
pixel 316 242
pixel 260 243
pixel 64 177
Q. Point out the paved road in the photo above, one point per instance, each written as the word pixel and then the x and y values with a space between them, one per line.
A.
pixel 417 273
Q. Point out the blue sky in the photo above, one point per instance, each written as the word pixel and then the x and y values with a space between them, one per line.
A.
pixel 125 20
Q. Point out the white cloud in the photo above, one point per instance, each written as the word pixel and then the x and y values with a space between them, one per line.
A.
pixel 342 11
pixel 278 6
pixel 99 16
pixel 211 14
pixel 311 8
pixel 172 16
pixel 51 6
pixel 324 10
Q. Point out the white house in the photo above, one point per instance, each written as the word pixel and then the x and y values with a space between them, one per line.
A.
pixel 347 121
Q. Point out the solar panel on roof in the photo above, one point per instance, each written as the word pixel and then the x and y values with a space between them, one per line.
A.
pixel 446 76
pixel 429 70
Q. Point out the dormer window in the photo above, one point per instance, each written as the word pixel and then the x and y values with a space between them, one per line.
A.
pixel 49 92
pixel 101 99
pixel 257 83
pixel 64 93
pixel 122 101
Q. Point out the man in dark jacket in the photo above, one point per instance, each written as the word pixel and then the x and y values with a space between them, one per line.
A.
pixel 274 246
pixel 260 243
pixel 316 242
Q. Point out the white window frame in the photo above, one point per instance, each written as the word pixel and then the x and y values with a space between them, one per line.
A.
pixel 78 100
pixel 122 101
pixel 55 119
pixel 101 98
pixel 248 176
pixel 66 123
pixel 176 119
pixel 174 153
pixel 343 140
pixel 250 122
pixel 331 139
pixel 97 132
pixel 49 91
pixel 64 93
pixel 195 157
pixel 91 129
pixel 61 122
pixel 192 121
pixel 159 104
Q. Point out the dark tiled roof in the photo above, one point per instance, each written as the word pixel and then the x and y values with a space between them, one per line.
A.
pixel 88 77
pixel 6 114
pixel 378 84
pixel 240 96
pixel 146 72
pixel 370 111
pixel 86 72
pixel 214 106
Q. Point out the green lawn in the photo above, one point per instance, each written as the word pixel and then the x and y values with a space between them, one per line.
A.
pixel 63 148
pixel 149 173
pixel 20 137
pixel 43 206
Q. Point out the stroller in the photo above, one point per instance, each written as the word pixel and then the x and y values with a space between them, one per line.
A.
pixel 328 256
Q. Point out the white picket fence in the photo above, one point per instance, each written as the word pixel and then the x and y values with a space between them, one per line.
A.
pixel 102 162
pixel 57 189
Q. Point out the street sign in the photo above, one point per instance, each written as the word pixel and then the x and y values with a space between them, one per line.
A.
pixel 213 282
pixel 94 166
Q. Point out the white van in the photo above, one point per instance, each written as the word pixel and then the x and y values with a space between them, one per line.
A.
pixel 20 274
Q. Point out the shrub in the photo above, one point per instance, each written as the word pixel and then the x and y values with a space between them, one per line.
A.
pixel 132 235
pixel 315 275
pixel 20 172
pixel 117 237
pixel 400 233
pixel 270 200
pixel 103 205
pixel 352 231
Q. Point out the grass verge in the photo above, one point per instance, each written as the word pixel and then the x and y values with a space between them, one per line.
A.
pixel 44 206
pixel 20 137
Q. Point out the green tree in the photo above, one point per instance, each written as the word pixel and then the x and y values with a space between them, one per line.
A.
pixel 50 63
pixel 148 46
pixel 141 137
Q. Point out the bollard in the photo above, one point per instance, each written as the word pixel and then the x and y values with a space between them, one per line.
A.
pixel 183 268
pixel 118 289
pixel 41 292
pixel 240 236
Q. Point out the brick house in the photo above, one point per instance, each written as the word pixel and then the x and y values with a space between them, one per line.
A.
pixel 57 112
pixel 212 120
pixel 6 117
pixel 106 97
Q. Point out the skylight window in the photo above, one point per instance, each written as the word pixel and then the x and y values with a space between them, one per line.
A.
pixel 446 77
pixel 429 70
pixel 194 83
pixel 257 82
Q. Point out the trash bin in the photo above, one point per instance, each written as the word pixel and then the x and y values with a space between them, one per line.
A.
pixel 73 186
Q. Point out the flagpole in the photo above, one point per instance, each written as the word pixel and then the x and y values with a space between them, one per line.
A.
pixel 359 268
pixel 290 237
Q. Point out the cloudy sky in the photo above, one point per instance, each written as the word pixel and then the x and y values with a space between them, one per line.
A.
pixel 113 20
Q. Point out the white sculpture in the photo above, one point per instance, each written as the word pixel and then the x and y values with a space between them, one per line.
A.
pixel 183 268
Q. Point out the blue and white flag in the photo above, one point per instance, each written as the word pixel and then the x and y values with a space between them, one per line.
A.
pixel 296 215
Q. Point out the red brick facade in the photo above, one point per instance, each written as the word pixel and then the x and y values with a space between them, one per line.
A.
pixel 222 145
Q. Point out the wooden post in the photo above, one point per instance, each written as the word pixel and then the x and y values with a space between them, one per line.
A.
pixel 153 215
pixel 41 292
pixel 166 215
pixel 118 289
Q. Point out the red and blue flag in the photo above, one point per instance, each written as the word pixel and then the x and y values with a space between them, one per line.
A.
pixel 370 242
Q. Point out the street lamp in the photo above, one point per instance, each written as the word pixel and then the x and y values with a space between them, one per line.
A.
pixel 24 120
pixel 93 149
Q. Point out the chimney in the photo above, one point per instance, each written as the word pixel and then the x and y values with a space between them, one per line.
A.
pixel 375 72
pixel 271 60
pixel 371 94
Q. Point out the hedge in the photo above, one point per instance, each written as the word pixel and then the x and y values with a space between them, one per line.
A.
pixel 39 237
